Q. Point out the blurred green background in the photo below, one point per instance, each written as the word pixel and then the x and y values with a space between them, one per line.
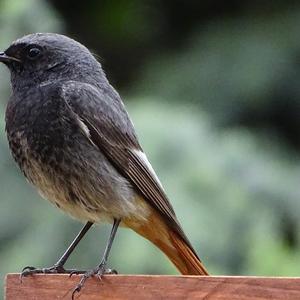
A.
pixel 213 89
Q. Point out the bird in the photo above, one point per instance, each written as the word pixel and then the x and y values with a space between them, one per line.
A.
pixel 70 134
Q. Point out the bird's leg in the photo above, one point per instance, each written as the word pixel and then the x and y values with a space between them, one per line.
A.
pixel 58 267
pixel 101 268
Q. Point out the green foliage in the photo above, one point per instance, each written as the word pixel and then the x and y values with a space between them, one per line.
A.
pixel 233 191
pixel 231 66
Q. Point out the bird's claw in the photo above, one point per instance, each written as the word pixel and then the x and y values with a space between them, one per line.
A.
pixel 99 272
pixel 76 272
pixel 29 270
pixel 56 269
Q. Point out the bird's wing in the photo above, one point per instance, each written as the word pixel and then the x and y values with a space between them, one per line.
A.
pixel 110 128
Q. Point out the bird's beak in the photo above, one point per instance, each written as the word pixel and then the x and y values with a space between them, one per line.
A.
pixel 5 58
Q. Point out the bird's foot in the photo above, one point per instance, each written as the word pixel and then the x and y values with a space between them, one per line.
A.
pixel 56 269
pixel 99 272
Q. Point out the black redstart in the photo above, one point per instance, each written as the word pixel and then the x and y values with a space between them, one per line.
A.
pixel 69 132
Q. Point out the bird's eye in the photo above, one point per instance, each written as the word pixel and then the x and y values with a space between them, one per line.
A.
pixel 33 53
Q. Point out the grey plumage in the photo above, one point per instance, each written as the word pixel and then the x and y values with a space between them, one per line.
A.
pixel 73 139
pixel 47 138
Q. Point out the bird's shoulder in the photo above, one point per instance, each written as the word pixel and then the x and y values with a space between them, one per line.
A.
pixel 102 107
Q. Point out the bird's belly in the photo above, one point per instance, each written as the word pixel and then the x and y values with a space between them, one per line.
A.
pixel 77 177
pixel 95 208
pixel 88 194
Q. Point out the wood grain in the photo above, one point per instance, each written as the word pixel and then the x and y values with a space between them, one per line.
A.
pixel 120 287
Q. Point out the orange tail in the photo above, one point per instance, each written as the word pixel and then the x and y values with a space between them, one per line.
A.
pixel 169 242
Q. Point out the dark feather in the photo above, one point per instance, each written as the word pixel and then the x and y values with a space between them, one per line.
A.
pixel 112 131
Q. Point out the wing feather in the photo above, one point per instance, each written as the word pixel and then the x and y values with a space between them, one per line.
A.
pixel 112 131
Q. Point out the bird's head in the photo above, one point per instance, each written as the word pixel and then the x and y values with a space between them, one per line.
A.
pixel 46 57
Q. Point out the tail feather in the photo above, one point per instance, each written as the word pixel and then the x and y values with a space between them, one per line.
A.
pixel 169 242
pixel 186 262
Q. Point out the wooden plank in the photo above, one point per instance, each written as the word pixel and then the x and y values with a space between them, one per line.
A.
pixel 121 287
